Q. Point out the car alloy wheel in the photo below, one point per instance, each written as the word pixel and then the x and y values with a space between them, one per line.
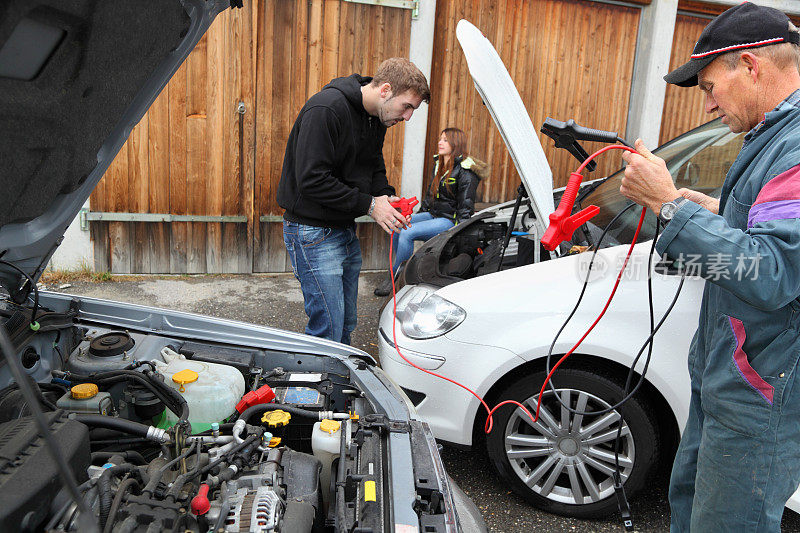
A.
pixel 564 463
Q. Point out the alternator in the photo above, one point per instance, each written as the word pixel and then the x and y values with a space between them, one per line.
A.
pixel 256 511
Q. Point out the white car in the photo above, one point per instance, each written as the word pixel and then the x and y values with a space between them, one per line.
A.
pixel 490 328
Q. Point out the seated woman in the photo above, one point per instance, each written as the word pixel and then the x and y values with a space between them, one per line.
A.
pixel 456 175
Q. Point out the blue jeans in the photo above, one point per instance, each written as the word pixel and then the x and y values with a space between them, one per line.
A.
pixel 326 262
pixel 423 227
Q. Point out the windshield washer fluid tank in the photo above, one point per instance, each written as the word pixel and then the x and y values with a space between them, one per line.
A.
pixel 211 390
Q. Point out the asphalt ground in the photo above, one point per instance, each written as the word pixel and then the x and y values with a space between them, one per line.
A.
pixel 276 300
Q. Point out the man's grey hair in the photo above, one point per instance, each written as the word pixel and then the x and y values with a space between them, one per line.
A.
pixel 783 55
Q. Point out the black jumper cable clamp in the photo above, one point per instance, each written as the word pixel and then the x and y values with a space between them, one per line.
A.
pixel 566 135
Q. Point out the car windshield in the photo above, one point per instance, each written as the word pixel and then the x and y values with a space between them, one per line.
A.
pixel 697 160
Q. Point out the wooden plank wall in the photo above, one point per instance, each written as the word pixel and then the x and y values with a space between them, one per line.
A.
pixel 302 45
pixel 194 154
pixel 191 154
pixel 568 59
pixel 684 108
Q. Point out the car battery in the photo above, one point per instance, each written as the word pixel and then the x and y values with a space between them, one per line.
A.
pixel 304 390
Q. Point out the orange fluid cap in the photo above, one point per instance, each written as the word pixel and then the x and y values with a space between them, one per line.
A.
pixel 84 391
pixel 183 377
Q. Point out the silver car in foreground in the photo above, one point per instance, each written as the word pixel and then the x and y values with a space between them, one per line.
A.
pixel 118 417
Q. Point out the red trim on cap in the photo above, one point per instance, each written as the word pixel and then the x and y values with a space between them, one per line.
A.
pixel 734 47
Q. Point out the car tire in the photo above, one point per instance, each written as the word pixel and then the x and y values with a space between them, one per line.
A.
pixel 564 464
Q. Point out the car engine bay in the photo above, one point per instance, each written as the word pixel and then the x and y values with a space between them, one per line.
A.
pixel 164 433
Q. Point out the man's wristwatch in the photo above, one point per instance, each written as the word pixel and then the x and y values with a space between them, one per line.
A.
pixel 371 207
pixel 668 209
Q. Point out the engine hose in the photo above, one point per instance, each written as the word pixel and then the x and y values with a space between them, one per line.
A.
pixel 104 487
pixel 37 390
pixel 137 364
pixel 166 394
pixel 249 440
pixel 178 403
pixel 260 408
pixel 227 426
pixel 121 424
pixel 171 397
pixel 151 485
pixel 129 455
pixel 126 485
pixel 236 464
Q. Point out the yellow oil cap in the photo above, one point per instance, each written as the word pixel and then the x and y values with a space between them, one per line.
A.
pixel 330 426
pixel 274 442
pixel 84 391
pixel 183 377
pixel 276 419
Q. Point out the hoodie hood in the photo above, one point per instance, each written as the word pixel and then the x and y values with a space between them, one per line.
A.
pixel 502 100
pixel 75 77
pixel 350 87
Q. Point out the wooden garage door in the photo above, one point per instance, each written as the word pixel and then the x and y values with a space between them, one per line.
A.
pixel 568 59
pixel 212 143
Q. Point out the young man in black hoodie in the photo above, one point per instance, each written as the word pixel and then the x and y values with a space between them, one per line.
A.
pixel 333 172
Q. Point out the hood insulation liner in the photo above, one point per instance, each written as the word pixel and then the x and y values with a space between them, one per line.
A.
pixel 68 71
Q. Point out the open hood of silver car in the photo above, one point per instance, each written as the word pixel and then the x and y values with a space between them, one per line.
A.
pixel 75 77
pixel 500 95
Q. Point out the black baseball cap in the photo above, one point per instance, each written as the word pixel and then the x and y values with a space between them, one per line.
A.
pixel 744 26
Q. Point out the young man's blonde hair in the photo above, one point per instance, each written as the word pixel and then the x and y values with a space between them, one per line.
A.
pixel 402 75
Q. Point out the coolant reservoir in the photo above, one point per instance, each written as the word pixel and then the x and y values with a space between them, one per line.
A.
pixel 325 443
pixel 211 390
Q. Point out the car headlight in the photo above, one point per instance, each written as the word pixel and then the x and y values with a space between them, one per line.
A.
pixel 424 315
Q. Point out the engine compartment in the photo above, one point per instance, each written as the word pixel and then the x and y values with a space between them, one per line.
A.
pixel 299 448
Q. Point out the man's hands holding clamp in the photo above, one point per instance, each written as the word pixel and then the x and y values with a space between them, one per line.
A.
pixel 387 217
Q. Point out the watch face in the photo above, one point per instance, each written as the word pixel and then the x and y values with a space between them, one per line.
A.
pixel 668 210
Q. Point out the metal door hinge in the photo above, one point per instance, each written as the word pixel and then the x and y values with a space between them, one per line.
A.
pixel 82 218
pixel 413 5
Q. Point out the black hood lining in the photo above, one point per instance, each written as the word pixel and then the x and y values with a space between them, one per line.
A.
pixel 54 124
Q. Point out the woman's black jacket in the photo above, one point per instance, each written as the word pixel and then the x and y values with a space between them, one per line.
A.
pixel 455 192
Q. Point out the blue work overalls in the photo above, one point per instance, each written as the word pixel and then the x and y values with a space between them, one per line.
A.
pixel 739 457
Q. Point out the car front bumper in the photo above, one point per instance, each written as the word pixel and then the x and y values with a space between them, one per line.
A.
pixel 448 409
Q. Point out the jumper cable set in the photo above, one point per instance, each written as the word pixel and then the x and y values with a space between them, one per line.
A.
pixel 563 223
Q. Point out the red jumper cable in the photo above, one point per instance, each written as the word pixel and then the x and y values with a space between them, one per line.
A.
pixel 562 226
pixel 406 205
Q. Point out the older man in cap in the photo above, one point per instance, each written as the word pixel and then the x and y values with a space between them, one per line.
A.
pixel 739 457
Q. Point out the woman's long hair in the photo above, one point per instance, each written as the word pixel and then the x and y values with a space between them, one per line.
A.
pixel 457 140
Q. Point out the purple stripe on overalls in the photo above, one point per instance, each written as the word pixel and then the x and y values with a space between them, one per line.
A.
pixel 779 210
pixel 740 358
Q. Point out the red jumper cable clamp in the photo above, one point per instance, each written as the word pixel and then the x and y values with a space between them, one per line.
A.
pixel 405 205
pixel 562 224
pixel 264 394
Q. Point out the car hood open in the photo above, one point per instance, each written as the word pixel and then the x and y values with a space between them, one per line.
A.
pixel 500 95
pixel 75 78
